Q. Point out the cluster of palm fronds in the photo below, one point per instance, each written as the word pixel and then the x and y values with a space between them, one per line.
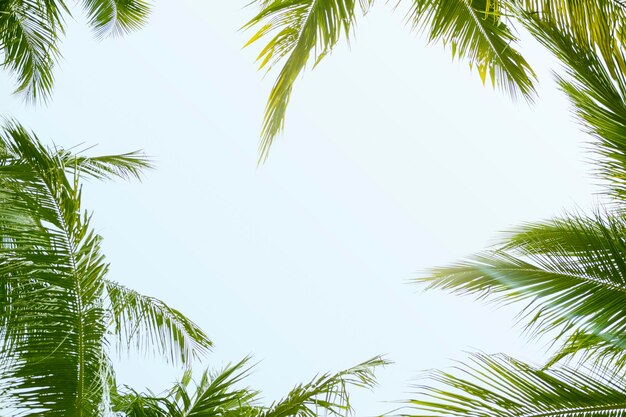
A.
pixel 58 309
pixel 30 32
pixel 570 272
pixel 216 395
pixel 301 32
pixel 60 314
pixel 482 32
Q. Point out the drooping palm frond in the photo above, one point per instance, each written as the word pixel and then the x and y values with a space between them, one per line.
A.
pixel 146 324
pixel 500 386
pixel 597 93
pixel 571 271
pixel 477 33
pixel 218 395
pixel 31 30
pixel 116 16
pixel 29 34
pixel 303 31
pixel 299 32
pixel 600 24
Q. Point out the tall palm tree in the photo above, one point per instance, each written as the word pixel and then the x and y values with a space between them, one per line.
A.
pixel 482 32
pixel 30 32
pixel 59 314
pixel 570 272
pixel 218 395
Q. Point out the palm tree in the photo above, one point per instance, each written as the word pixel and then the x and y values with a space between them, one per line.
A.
pixel 30 32
pixel 59 314
pixel 217 395
pixel 570 272
pixel 482 32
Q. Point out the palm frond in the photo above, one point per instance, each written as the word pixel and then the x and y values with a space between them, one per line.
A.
pixel 494 386
pixel 571 271
pixel 219 395
pixel 215 395
pixel 53 328
pixel 328 393
pixel 298 32
pixel 53 321
pixel 149 324
pixel 116 16
pixel 596 351
pixel 597 93
pixel 599 24
pixel 29 31
pixel 124 166
pixel 477 33
pixel 131 403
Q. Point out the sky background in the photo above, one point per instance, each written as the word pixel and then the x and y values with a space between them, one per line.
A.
pixel 394 160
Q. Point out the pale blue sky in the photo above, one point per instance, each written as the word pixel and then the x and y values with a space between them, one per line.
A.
pixel 394 160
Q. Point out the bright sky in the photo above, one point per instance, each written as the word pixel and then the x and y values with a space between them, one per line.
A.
pixel 394 160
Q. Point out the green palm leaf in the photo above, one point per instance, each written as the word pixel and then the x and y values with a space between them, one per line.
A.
pixel 29 31
pixel 601 24
pixel 327 393
pixel 215 395
pixel 148 324
pixel 56 305
pixel 478 34
pixel 596 87
pixel 218 395
pixel 54 324
pixel 124 166
pixel 571 271
pixel 599 351
pixel 116 16
pixel 500 386
pixel 299 31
